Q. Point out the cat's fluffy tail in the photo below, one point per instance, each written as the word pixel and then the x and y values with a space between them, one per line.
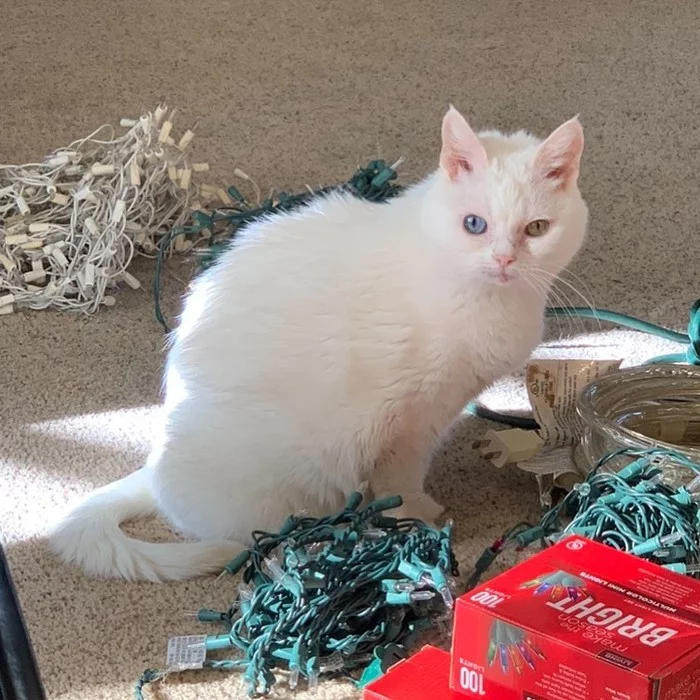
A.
pixel 90 537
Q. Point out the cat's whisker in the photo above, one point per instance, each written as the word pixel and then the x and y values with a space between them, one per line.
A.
pixel 564 323
pixel 537 288
pixel 536 284
pixel 578 279
pixel 550 291
pixel 564 302
pixel 556 277
pixel 586 301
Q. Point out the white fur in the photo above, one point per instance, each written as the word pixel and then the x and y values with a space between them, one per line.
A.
pixel 337 345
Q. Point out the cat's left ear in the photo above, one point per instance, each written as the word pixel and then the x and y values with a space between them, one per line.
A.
pixel 559 157
pixel 461 149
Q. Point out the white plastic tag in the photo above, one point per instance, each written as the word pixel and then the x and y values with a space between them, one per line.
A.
pixel 186 653
pixel 553 469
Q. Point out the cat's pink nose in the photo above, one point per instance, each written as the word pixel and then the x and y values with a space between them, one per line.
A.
pixel 504 260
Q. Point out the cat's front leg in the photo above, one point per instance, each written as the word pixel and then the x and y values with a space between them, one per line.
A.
pixel 420 506
pixel 401 470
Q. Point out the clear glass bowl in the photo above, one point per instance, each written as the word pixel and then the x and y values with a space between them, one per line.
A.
pixel 641 407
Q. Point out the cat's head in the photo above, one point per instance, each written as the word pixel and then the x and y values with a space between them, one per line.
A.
pixel 511 204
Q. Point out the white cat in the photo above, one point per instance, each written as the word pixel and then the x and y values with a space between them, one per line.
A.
pixel 339 344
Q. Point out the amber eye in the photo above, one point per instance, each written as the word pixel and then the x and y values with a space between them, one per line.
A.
pixel 537 228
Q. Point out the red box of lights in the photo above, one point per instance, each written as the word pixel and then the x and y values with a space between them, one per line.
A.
pixel 579 621
pixel 423 676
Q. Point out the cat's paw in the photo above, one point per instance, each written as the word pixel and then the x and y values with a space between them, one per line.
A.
pixel 419 506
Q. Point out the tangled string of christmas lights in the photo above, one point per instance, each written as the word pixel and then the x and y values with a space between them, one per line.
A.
pixel 71 224
pixel 637 509
pixel 331 595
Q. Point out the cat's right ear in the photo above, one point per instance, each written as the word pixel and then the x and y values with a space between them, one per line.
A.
pixel 461 149
pixel 559 156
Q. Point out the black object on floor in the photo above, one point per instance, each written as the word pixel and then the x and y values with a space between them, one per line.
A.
pixel 19 675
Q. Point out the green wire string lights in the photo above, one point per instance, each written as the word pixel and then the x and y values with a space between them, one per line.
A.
pixel 633 510
pixel 332 596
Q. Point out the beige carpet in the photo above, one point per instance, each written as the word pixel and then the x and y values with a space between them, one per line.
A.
pixel 294 92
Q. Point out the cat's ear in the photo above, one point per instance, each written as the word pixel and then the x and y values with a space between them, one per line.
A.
pixel 461 149
pixel 559 157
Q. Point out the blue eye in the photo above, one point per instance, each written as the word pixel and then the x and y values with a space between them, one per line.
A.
pixel 475 224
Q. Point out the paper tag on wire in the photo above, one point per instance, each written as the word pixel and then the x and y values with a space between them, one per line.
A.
pixel 553 387
pixel 186 653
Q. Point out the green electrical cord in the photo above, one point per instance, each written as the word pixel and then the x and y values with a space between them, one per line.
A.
pixel 332 596
pixel 618 319
pixel 691 338
pixel 632 510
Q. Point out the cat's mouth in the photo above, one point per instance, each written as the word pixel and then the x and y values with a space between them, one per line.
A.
pixel 501 276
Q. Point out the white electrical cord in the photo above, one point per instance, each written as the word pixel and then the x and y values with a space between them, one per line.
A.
pixel 70 226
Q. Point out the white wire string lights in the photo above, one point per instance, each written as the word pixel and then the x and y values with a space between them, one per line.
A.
pixel 71 225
